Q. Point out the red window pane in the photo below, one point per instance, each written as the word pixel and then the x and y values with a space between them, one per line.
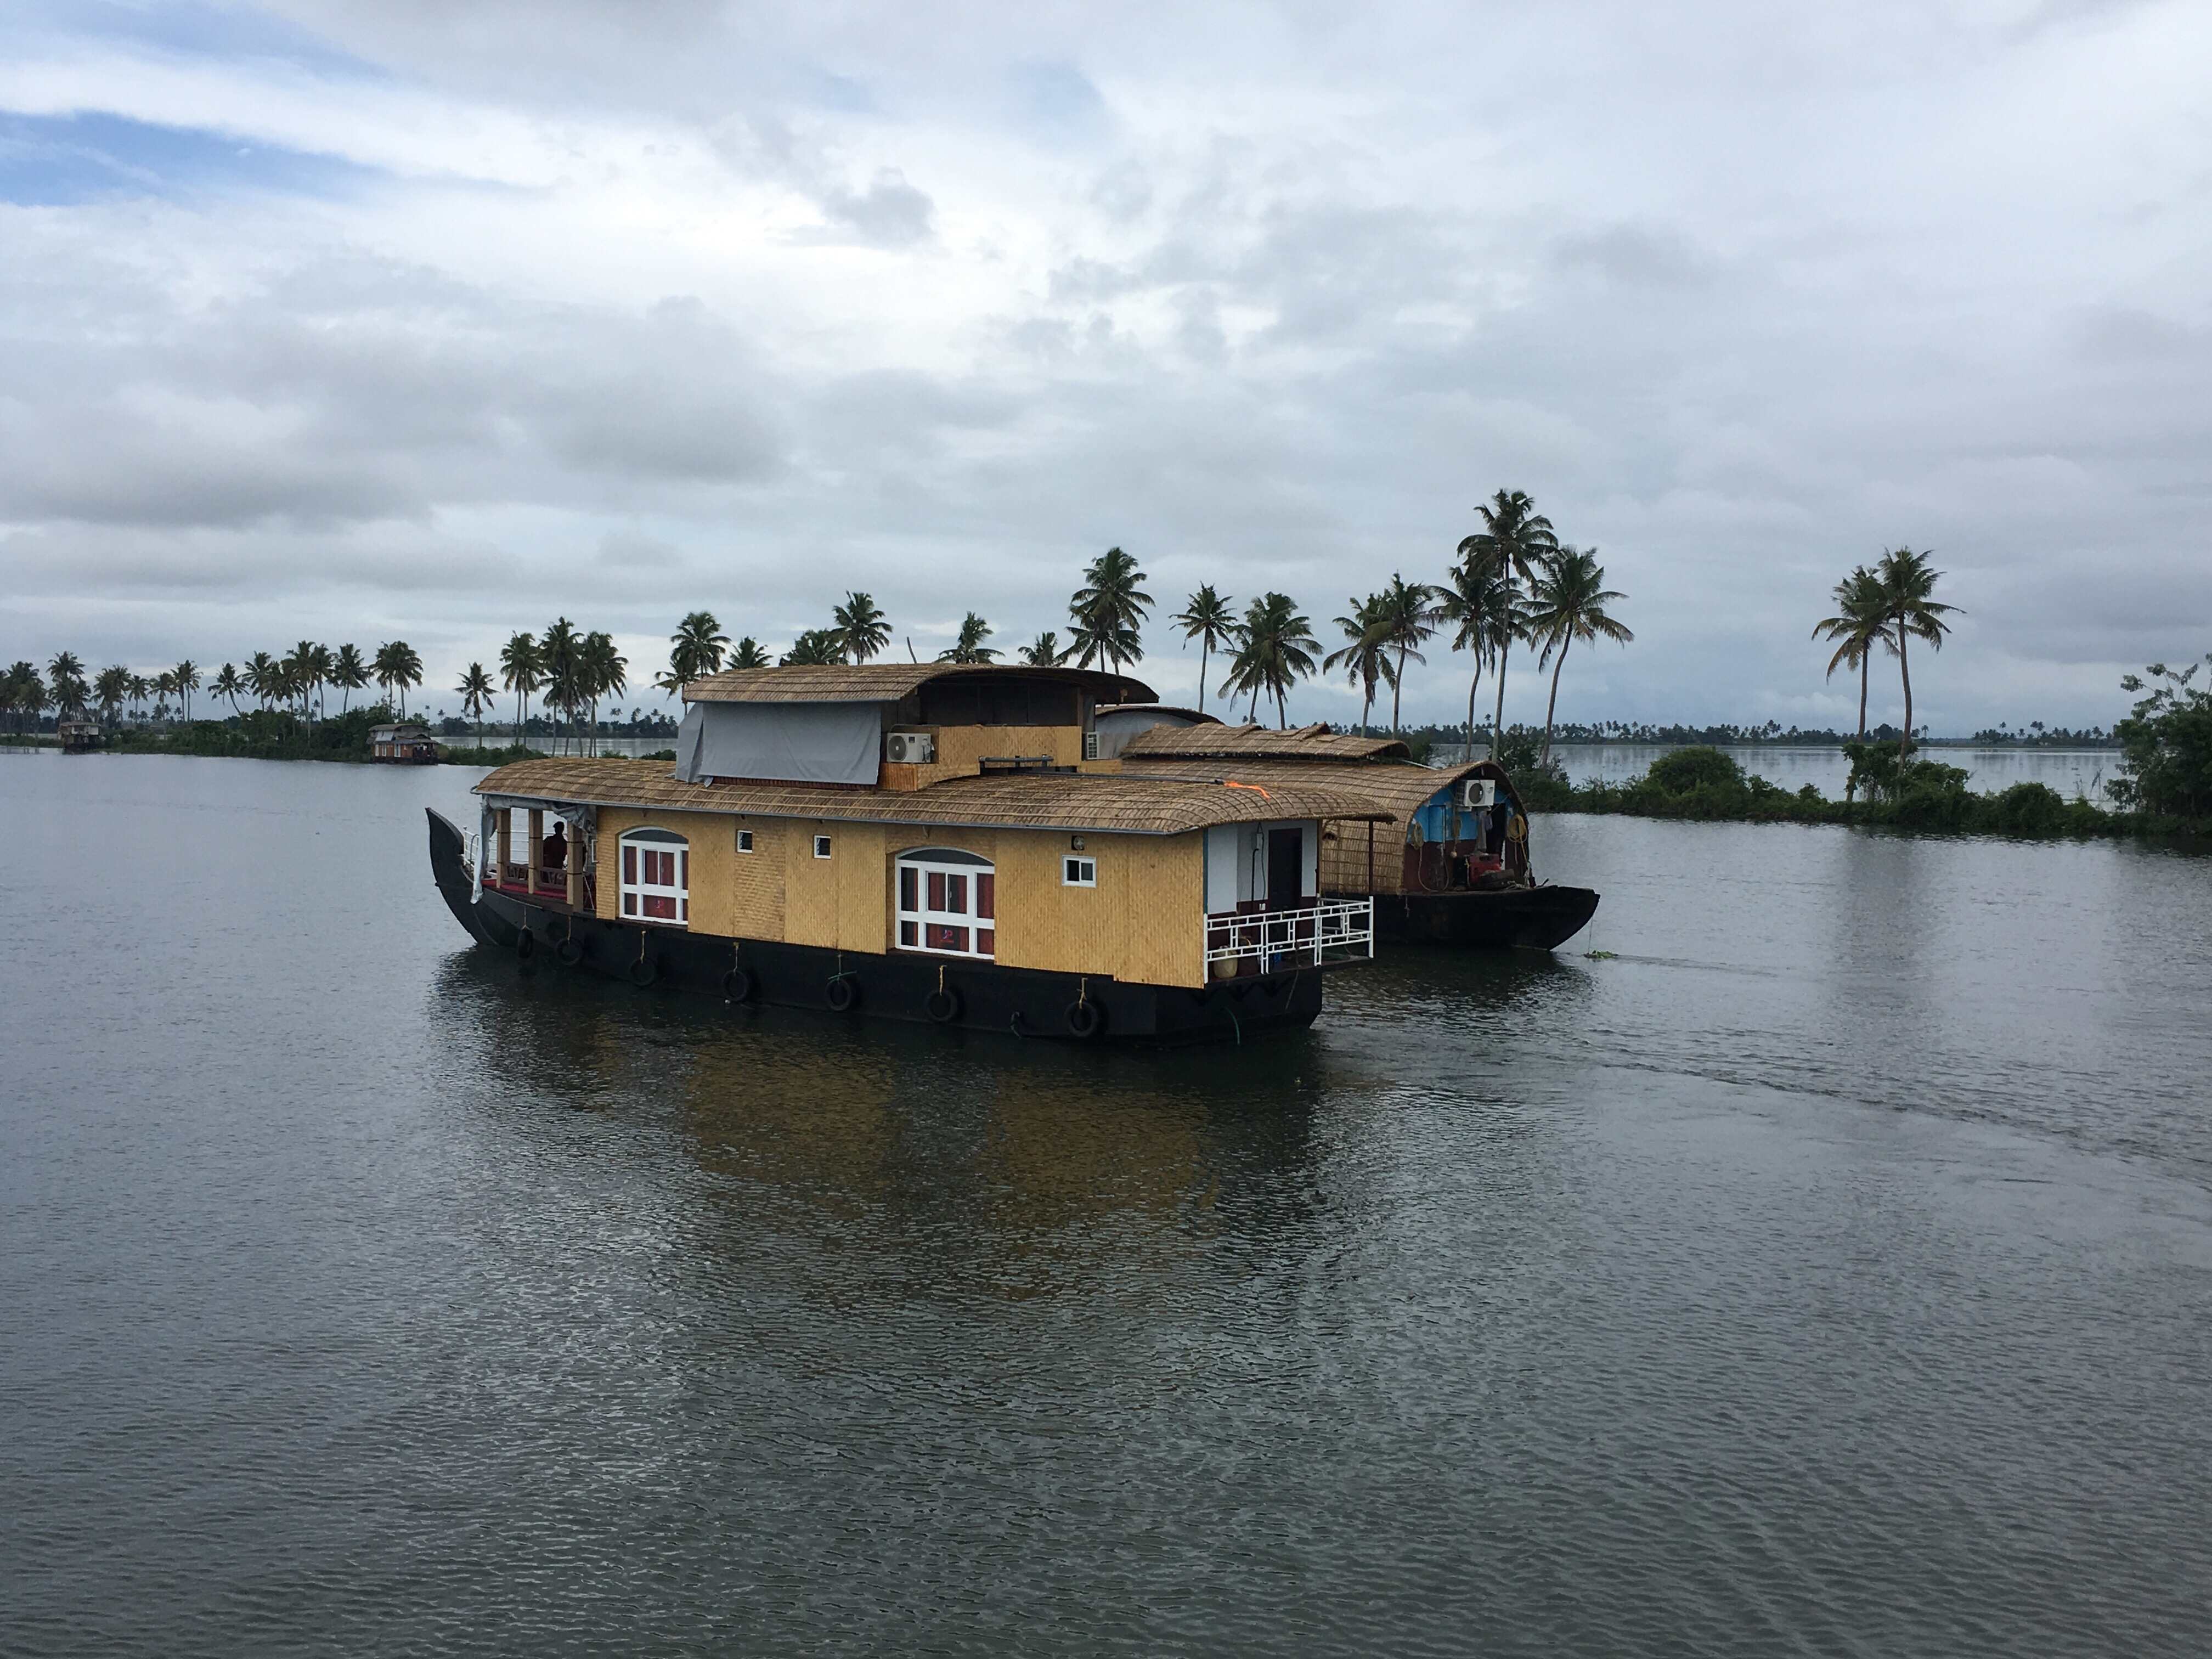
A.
pixel 986 898
pixel 629 904
pixel 907 934
pixel 942 937
pixel 986 939
pixel 630 865
pixel 956 894
pixel 659 905
pixel 937 890
pixel 910 887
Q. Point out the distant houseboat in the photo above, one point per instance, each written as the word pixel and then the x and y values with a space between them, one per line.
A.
pixel 1458 872
pixel 403 745
pixel 78 737
pixel 923 841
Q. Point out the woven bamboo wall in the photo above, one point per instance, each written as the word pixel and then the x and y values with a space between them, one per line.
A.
pixel 713 848
pixel 757 878
pixel 1343 858
pixel 1142 921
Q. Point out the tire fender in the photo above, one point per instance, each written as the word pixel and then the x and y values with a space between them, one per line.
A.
pixel 841 993
pixel 1084 1019
pixel 942 1006
pixel 738 985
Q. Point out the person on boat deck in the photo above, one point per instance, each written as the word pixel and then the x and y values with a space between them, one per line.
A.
pixel 555 854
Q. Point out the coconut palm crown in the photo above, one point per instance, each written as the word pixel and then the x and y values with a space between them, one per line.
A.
pixel 859 627
pixel 1276 650
pixel 1109 611
pixel 1514 541
pixel 969 647
pixel 1206 618
pixel 1365 656
pixel 1483 609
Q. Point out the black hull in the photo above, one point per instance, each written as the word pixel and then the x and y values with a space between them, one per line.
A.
pixel 1523 918
pixel 1023 1001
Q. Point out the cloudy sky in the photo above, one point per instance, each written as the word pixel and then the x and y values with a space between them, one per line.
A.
pixel 352 321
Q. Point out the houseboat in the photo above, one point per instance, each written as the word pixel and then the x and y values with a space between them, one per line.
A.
pixel 922 841
pixel 78 737
pixel 403 745
pixel 1458 872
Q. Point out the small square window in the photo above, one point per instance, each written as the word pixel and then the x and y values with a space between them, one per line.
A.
pixel 822 846
pixel 744 841
pixel 1079 872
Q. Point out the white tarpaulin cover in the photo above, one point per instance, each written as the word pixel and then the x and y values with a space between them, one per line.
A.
pixel 788 742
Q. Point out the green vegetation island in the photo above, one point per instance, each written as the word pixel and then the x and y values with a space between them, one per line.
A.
pixel 1511 583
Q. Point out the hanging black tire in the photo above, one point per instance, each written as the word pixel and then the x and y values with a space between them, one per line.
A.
pixel 942 1006
pixel 738 985
pixel 570 952
pixel 525 946
pixel 1084 1019
pixel 841 993
pixel 644 971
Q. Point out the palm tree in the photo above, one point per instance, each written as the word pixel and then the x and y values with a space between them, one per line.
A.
pixel 1909 584
pixel 1108 610
pixel 397 666
pixel 560 663
pixel 111 689
pixel 969 647
pixel 1485 610
pixel 142 692
pixel 521 670
pixel 816 647
pixel 165 687
pixel 749 655
pixel 26 693
pixel 1043 652
pixel 187 676
pixel 1860 623
pixel 67 674
pixel 227 683
pixel 476 692
pixel 1206 616
pixel 695 648
pixel 1366 657
pixel 302 664
pixel 262 677
pixel 1275 651
pixel 349 672
pixel 605 674
pixel 1408 615
pixel 1567 602
pixel 1513 542
pixel 859 627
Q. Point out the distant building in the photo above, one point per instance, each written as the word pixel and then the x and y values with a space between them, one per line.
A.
pixel 403 745
pixel 78 737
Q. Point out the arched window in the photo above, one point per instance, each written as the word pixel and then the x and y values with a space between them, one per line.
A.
pixel 656 877
pixel 947 903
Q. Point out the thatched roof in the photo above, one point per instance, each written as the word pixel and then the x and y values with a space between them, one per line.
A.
pixel 1260 741
pixel 1396 788
pixel 888 682
pixel 1006 800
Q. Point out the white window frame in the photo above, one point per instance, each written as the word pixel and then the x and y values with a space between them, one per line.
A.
pixel 925 861
pixel 744 841
pixel 1084 863
pixel 633 894
pixel 822 846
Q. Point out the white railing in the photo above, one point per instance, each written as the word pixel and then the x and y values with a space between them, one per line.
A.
pixel 1331 930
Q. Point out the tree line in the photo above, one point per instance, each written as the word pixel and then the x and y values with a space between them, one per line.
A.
pixel 1512 581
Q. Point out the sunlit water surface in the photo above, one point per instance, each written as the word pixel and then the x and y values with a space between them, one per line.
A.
pixel 1828 1270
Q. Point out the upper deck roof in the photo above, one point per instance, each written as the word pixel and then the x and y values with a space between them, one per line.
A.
pixel 1259 742
pixel 1107 803
pixel 890 682
pixel 1397 788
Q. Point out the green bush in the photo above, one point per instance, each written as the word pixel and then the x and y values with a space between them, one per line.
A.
pixel 1698 767
pixel 2028 809
pixel 2165 744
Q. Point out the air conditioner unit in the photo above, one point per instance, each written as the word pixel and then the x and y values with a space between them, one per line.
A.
pixel 1476 793
pixel 910 748
pixel 1091 745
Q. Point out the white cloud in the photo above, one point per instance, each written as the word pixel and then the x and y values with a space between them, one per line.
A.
pixel 747 309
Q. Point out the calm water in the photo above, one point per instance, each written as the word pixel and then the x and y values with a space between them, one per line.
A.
pixel 1830 1272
